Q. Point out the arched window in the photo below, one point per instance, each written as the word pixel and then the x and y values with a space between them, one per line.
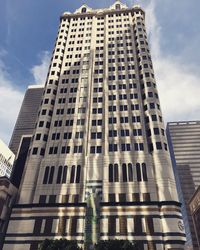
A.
pixel 72 174
pixel 110 174
pixel 64 177
pixel 78 174
pixel 83 10
pixel 117 6
pixel 51 175
pixel 59 174
pixel 130 172
pixel 116 173
pixel 124 172
pixel 144 172
pixel 46 175
pixel 138 171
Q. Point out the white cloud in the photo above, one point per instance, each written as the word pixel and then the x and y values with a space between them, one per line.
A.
pixel 178 82
pixel 40 71
pixel 10 102
pixel 11 98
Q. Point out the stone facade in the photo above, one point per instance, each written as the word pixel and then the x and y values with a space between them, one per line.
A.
pixel 98 165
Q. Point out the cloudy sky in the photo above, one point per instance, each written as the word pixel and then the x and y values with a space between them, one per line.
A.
pixel 27 34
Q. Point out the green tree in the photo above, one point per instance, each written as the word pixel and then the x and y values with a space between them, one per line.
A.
pixel 116 245
pixel 61 244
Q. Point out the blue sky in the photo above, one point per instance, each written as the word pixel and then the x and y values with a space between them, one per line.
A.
pixel 28 30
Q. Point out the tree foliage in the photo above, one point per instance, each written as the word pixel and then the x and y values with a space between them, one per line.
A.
pixel 61 244
pixel 116 245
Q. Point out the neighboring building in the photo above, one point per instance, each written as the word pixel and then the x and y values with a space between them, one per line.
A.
pixel 195 211
pixel 8 194
pixel 98 165
pixel 184 144
pixel 26 120
pixel 6 160
pixel 23 131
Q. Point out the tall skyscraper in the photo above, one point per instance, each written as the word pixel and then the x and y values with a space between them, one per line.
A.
pixel 184 144
pixel 23 130
pixel 26 120
pixel 99 167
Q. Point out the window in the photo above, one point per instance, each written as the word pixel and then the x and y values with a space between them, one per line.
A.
pixel 122 197
pixel 146 197
pixel 38 136
pixel 62 175
pixel 124 132
pixel 139 146
pixel 78 149
pixel 51 175
pixel 138 224
pixel 117 6
pixel 72 176
pixel 111 198
pixel 158 145
pixel 125 147
pixel 144 172
pixel 112 133
pixel 73 226
pixel 112 148
pixel 95 149
pixel 113 173
pixel 78 174
pixel 138 172
pixel 65 150
pixel 111 225
pixel 136 196
pixel 52 199
pixel 130 172
pixel 79 135
pixel 67 135
pixel 35 150
pixel 96 135
pixel 80 122
pixel 59 174
pixel 46 174
pixel 137 132
pixel 124 172
pixel 42 199
pixel 124 119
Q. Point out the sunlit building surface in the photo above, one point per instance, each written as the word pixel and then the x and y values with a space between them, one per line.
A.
pixel 98 166
pixel 6 160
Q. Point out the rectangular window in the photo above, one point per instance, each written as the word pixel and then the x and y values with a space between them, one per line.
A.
pixel 123 225
pixel 111 225
pixel 48 226
pixel 73 226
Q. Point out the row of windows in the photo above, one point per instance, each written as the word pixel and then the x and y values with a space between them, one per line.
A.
pixel 115 223
pixel 99 122
pixel 98 135
pixel 112 197
pixel 111 120
pixel 126 171
pixel 126 147
pixel 62 172
pixel 77 149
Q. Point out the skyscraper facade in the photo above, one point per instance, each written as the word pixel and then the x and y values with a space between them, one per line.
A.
pixel 98 166
pixel 184 144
